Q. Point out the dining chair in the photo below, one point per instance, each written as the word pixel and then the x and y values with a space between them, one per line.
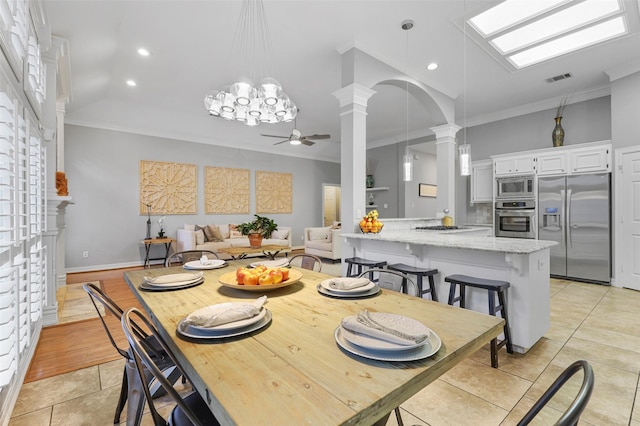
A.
pixel 185 256
pixel 395 281
pixel 572 414
pixel 190 410
pixel 306 261
pixel 131 388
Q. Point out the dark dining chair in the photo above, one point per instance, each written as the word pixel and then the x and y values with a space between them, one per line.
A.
pixel 395 281
pixel 185 256
pixel 190 410
pixel 131 388
pixel 572 414
pixel 306 261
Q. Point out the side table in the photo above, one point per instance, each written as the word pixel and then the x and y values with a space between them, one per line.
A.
pixel 154 241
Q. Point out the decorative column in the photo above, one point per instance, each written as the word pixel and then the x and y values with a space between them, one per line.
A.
pixel 353 153
pixel 446 154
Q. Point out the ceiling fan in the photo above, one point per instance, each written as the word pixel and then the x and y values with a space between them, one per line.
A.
pixel 297 138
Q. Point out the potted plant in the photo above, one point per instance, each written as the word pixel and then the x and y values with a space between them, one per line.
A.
pixel 260 227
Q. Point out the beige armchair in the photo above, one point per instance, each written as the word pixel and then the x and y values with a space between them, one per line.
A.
pixel 323 242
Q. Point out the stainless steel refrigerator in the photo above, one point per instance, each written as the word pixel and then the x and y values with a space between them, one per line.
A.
pixel 575 211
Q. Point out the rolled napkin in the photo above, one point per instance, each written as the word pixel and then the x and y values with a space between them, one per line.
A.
pixel 366 323
pixel 348 283
pixel 225 313
pixel 173 278
pixel 204 261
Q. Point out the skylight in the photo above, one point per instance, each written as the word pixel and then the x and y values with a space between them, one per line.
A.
pixel 527 32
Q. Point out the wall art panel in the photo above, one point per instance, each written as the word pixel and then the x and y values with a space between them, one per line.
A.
pixel 168 188
pixel 226 190
pixel 274 192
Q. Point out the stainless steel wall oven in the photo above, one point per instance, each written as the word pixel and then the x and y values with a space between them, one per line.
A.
pixel 515 218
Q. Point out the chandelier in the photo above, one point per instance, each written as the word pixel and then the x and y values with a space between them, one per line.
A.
pixel 242 100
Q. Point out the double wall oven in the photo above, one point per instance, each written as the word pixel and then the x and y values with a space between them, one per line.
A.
pixel 515 209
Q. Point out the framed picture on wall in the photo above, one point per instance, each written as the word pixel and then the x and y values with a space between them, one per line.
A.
pixel 427 190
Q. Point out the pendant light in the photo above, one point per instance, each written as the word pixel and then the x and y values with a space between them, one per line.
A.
pixel 407 158
pixel 465 149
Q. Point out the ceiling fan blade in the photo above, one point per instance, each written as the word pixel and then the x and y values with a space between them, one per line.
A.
pixel 316 136
pixel 278 143
pixel 306 142
pixel 274 136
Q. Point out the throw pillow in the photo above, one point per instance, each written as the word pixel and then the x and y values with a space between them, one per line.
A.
pixel 215 233
pixel 190 227
pixel 280 235
pixel 204 232
pixel 319 233
pixel 234 233
pixel 199 237
pixel 224 230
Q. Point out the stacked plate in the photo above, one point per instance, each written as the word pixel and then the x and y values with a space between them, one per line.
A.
pixel 172 281
pixel 277 263
pixel 209 264
pixel 352 287
pixel 371 346
pixel 237 328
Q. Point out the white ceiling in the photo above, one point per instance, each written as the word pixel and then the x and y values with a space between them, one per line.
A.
pixel 190 44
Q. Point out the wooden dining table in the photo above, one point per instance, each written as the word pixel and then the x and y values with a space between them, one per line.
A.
pixel 293 371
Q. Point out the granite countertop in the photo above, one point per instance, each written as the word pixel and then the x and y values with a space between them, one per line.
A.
pixel 460 240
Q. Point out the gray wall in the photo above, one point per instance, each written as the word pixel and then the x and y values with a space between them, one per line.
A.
pixel 583 122
pixel 102 168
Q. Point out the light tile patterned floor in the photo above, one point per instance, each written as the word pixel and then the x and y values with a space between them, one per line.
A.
pixel 596 323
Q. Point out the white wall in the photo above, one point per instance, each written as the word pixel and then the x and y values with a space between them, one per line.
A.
pixel 102 168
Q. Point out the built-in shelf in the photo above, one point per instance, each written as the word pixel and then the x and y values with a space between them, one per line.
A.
pixel 379 188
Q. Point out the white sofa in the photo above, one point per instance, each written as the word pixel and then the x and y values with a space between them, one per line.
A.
pixel 191 239
pixel 323 241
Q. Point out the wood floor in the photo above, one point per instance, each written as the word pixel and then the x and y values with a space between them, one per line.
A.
pixel 69 347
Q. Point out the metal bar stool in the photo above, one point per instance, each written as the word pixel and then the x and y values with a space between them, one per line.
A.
pixel 360 263
pixel 493 287
pixel 419 273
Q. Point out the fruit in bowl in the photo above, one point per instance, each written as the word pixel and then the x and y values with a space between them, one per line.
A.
pixel 261 275
pixel 370 223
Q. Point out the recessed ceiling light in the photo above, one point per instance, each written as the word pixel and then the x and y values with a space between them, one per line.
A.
pixel 143 52
pixel 131 83
pixel 432 66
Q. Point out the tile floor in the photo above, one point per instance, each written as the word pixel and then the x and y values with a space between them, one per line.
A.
pixel 592 322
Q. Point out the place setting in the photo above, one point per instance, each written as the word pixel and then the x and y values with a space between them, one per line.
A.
pixel 348 287
pixel 276 263
pixel 172 281
pixel 204 263
pixel 224 320
pixel 386 337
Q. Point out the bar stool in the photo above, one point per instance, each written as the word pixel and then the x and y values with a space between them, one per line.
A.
pixel 419 273
pixel 493 286
pixel 360 263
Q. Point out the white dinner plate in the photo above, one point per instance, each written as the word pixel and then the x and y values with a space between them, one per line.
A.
pixel 394 321
pixel 362 289
pixel 173 280
pixel 278 263
pixel 183 330
pixel 223 327
pixel 429 348
pixel 372 292
pixel 212 264
pixel 165 287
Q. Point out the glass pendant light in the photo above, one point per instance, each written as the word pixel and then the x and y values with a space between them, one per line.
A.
pixel 407 158
pixel 465 149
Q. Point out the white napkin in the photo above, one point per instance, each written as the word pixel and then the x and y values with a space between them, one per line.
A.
pixel 278 263
pixel 365 323
pixel 204 261
pixel 173 278
pixel 225 313
pixel 348 283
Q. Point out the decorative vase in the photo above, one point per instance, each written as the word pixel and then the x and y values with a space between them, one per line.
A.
pixel 558 133
pixel 161 234
pixel 370 181
pixel 255 239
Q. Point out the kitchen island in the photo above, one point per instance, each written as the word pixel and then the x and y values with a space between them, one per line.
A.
pixel 522 262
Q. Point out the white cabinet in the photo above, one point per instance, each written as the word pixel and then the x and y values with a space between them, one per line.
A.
pixel 553 164
pixel 516 165
pixel 591 160
pixel 482 181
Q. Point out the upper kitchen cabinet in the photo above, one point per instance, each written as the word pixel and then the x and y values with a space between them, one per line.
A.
pixel 514 165
pixel 569 160
pixel 482 181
